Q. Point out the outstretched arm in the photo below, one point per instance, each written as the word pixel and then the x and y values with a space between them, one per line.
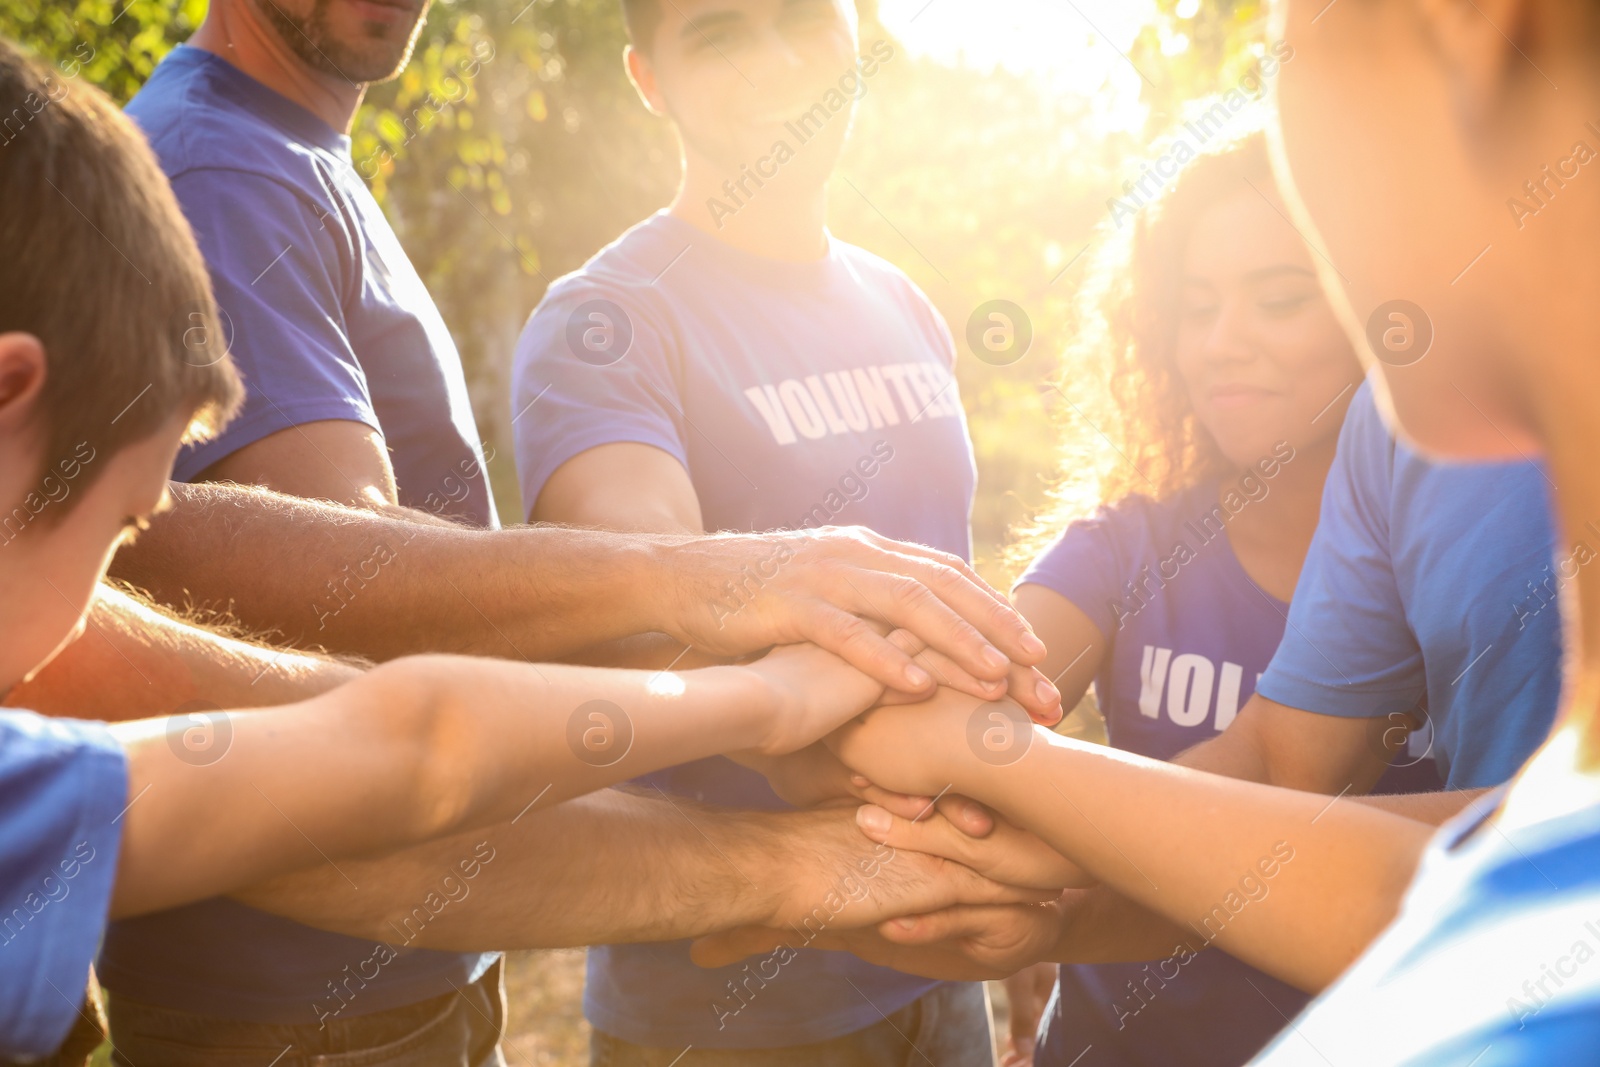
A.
pixel 429 746
pixel 613 867
pixel 134 661
pixel 1294 883
pixel 358 580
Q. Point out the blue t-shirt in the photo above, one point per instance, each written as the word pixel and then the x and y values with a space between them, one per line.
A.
pixel 795 395
pixel 1187 635
pixel 328 321
pixel 63 787
pixel 1380 624
pixel 324 314
pixel 1491 961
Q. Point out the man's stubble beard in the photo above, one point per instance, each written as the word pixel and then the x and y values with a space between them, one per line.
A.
pixel 310 39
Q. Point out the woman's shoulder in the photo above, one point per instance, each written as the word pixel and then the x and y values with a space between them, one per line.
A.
pixel 1144 518
pixel 1103 548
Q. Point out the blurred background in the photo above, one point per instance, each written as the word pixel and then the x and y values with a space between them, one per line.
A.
pixel 982 162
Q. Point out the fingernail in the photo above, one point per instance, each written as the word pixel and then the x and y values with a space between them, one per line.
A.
pixel 919 678
pixel 873 819
pixel 996 659
pixel 973 812
pixel 1031 645
pixel 859 781
pixel 1047 693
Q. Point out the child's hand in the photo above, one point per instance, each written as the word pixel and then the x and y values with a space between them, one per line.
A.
pixel 815 691
pixel 925 749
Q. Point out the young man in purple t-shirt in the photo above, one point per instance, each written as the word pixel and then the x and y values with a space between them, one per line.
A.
pixel 729 365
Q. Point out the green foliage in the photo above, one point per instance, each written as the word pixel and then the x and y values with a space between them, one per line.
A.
pixel 114 44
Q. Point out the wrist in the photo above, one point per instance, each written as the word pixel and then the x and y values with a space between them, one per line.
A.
pixel 749 707
pixel 658 565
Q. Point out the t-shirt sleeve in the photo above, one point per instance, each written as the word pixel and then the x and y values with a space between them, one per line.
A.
pixel 1347 648
pixel 592 368
pixel 284 268
pixel 63 787
pixel 1086 564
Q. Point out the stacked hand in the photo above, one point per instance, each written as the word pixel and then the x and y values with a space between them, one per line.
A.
pixel 917 750
pixel 845 589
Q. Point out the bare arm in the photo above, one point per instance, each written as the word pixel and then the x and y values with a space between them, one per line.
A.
pixel 428 746
pixel 622 487
pixel 1331 754
pixel 1291 882
pixel 337 460
pixel 1076 645
pixel 133 662
pixel 667 869
pixel 629 486
pixel 358 581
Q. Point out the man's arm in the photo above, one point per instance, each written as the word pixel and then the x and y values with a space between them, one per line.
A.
pixel 134 661
pixel 631 486
pixel 374 584
pixel 335 460
pixel 614 867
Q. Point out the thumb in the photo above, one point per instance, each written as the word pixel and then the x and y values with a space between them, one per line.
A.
pixel 952 922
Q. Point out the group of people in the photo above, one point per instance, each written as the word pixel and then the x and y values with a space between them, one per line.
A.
pixel 310 738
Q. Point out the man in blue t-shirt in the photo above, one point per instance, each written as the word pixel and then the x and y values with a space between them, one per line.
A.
pixel 1428 596
pixel 355 394
pixel 728 365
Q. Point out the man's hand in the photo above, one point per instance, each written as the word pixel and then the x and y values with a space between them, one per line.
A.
pixel 964 943
pixel 822 876
pixel 735 593
pixel 1005 852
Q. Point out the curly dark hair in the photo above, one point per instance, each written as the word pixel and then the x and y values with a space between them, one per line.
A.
pixel 1119 373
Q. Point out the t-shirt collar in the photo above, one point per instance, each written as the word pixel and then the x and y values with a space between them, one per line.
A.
pixel 299 123
pixel 762 269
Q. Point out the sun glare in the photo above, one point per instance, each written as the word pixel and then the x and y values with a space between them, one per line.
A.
pixel 1077 46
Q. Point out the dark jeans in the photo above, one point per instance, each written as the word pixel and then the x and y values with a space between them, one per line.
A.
pixel 948 1027
pixel 456 1030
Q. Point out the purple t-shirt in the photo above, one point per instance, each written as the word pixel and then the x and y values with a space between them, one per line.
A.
pixel 326 319
pixel 795 395
pixel 1188 634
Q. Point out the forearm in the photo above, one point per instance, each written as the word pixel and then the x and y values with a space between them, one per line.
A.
pixel 604 868
pixel 360 581
pixel 1435 809
pixel 133 661
pixel 1198 849
pixel 413 750
pixel 1341 759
